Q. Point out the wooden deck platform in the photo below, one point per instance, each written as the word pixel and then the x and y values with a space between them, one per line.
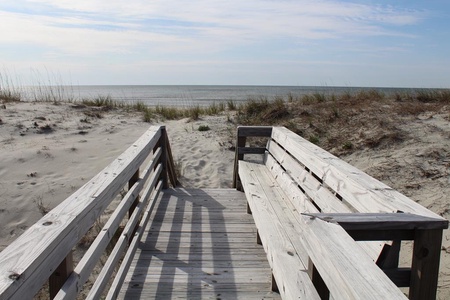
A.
pixel 199 243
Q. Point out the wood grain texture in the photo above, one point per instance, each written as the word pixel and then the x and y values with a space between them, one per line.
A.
pixel 363 192
pixel 126 262
pixel 425 264
pixel 312 195
pixel 346 269
pixel 93 254
pixel 381 221
pixel 189 251
pixel 23 272
pixel 284 252
pixel 125 238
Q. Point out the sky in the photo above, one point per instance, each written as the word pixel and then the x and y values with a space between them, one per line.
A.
pixel 207 42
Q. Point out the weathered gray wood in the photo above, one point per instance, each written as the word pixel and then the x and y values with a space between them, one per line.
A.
pixel 359 278
pixel 381 221
pixel 93 254
pixel 314 180
pixel 57 279
pixel 362 191
pixel 346 269
pixel 288 266
pixel 170 162
pixel 23 272
pixel 240 143
pixel 127 234
pixel 126 262
pixel 131 182
pixel 194 261
pixel 425 264
pixel 258 131
pixel 323 197
pixel 242 133
pixel 302 202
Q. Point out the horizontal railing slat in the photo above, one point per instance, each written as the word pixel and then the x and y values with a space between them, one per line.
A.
pixel 84 268
pixel 23 272
pixel 124 239
pixel 122 272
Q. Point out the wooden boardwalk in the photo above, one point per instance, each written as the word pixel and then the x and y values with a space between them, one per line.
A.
pixel 199 243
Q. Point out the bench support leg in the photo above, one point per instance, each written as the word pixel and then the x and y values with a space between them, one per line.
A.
pixel 390 255
pixel 425 264
pixel 318 282
pixel 249 210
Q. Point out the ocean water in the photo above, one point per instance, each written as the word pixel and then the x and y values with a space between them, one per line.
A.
pixel 189 95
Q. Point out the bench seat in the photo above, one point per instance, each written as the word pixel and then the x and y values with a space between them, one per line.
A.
pixel 299 193
pixel 291 240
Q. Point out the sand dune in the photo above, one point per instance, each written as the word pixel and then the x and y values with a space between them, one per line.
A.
pixel 48 151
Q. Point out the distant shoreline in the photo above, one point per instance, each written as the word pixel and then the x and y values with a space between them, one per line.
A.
pixel 191 95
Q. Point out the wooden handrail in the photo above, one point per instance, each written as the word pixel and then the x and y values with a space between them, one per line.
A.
pixel 28 262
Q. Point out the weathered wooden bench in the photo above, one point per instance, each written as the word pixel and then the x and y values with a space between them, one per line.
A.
pixel 329 229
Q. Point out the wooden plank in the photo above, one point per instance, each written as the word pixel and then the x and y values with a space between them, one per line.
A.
pixel 256 131
pixel 240 143
pixel 57 279
pixel 425 264
pixel 302 203
pixel 241 292
pixel 381 221
pixel 251 150
pixel 177 261
pixel 23 272
pixel 288 268
pixel 126 262
pixel 187 256
pixel 347 276
pixel 187 227
pixel 134 179
pixel 302 240
pixel 363 192
pixel 170 162
pixel 236 262
pixel 290 187
pixel 124 239
pixel 323 197
pixel 84 268
pixel 200 245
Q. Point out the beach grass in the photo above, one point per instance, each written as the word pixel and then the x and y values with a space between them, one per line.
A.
pixel 332 121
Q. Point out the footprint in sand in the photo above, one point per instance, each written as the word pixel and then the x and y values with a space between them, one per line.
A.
pixel 201 165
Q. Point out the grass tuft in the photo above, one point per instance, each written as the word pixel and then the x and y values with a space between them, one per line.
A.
pixel 204 128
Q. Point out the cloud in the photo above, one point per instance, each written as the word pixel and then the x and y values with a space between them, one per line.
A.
pixel 81 27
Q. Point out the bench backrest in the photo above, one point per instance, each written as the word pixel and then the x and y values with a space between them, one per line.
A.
pixel 322 182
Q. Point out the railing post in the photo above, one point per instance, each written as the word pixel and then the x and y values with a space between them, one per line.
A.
pixel 131 182
pixel 163 144
pixel 240 142
pixel 60 275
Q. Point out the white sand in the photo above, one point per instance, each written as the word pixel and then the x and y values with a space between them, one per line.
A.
pixel 39 170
